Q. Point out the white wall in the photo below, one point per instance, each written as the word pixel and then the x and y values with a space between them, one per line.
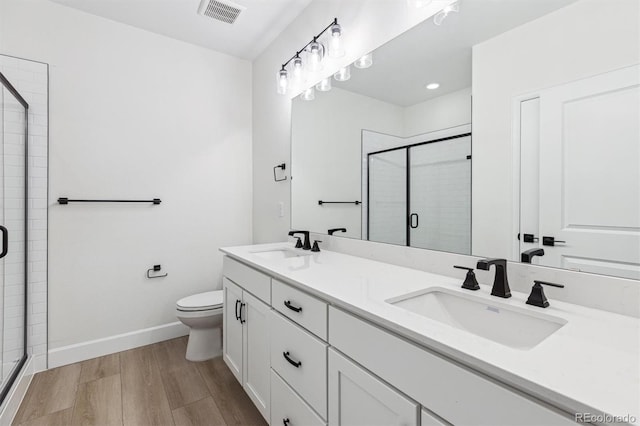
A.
pixel 135 115
pixel 443 112
pixel 326 156
pixel 367 24
pixel 584 39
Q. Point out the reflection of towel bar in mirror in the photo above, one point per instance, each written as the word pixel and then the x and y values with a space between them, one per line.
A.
pixel 320 202
pixel 64 200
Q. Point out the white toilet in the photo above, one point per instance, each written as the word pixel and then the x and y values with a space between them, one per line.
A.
pixel 202 313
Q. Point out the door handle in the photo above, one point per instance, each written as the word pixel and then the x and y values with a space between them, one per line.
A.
pixel 414 215
pixel 528 238
pixel 550 241
pixel 291 361
pixel 5 241
pixel 237 303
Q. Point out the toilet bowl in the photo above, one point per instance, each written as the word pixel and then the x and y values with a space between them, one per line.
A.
pixel 202 313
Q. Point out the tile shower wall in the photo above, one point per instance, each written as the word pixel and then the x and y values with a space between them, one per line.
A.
pixel 31 80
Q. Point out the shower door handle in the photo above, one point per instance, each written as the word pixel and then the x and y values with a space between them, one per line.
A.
pixel 411 217
pixel 5 241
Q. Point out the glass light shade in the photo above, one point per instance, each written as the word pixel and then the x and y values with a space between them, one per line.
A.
pixel 308 94
pixel 324 85
pixel 364 62
pixel 440 16
pixel 336 50
pixel 282 80
pixel 343 74
pixel 315 53
pixel 297 67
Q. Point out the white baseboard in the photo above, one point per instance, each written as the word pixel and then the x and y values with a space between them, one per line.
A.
pixel 17 393
pixel 121 342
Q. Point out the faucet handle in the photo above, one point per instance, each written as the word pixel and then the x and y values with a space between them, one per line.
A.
pixel 298 242
pixel 470 281
pixel 315 247
pixel 548 283
pixel 537 296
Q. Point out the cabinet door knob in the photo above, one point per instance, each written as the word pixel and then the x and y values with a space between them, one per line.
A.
pixel 293 308
pixel 291 361
pixel 237 315
pixel 285 421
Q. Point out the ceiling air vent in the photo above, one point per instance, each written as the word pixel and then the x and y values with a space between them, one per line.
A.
pixel 222 11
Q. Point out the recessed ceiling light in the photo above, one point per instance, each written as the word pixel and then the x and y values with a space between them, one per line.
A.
pixel 432 86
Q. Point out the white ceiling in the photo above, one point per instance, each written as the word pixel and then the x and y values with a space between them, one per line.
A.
pixel 253 31
pixel 429 53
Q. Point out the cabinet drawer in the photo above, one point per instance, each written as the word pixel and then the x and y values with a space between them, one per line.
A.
pixel 286 404
pixel 449 390
pixel 301 360
pixel 309 312
pixel 249 279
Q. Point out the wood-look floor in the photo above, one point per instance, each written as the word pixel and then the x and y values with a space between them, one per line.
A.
pixel 147 386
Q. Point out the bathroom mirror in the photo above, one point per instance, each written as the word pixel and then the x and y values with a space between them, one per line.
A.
pixel 510 127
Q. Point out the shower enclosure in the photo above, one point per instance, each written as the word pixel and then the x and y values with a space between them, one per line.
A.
pixel 419 195
pixel 13 227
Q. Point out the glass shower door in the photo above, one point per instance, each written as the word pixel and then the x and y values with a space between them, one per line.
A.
pixel 387 209
pixel 13 196
pixel 440 195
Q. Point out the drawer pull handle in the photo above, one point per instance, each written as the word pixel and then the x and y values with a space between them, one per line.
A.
pixel 296 364
pixel 237 303
pixel 285 421
pixel 293 308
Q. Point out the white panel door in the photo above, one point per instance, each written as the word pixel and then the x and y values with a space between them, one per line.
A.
pixel 256 352
pixel 232 328
pixel 590 174
pixel 357 398
pixel 440 195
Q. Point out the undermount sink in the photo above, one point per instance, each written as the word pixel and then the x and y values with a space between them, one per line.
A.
pixel 278 254
pixel 504 324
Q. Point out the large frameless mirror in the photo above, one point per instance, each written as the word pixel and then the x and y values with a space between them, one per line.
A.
pixel 512 127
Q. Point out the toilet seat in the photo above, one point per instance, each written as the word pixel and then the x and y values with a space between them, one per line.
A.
pixel 208 301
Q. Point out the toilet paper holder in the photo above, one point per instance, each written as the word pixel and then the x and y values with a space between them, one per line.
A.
pixel 155 268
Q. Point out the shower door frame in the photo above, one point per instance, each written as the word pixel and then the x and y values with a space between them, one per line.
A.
pixel 18 368
pixel 408 177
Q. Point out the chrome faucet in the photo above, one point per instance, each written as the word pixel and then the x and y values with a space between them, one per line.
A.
pixel 307 243
pixel 500 282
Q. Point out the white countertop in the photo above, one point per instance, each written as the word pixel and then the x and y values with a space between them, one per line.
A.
pixel 591 364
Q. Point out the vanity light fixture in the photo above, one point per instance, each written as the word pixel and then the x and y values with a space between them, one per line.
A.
pixel 308 94
pixel 432 86
pixel 440 16
pixel 336 49
pixel 343 74
pixel 324 85
pixel 364 61
pixel 282 78
pixel 298 67
pixel 314 54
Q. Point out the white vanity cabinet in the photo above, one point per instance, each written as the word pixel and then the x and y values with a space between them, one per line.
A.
pixel 356 397
pixel 246 332
pixel 452 392
pixel 305 362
